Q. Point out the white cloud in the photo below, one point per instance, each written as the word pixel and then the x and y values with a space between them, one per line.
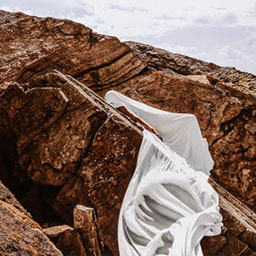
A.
pixel 148 17
pixel 230 56
pixel 15 9
pixel 230 53
pixel 56 8
pixel 225 19
pixel 126 9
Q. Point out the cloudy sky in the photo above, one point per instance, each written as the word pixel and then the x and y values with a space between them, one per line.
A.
pixel 220 31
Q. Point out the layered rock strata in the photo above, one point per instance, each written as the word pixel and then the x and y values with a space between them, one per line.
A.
pixel 32 46
pixel 79 145
pixel 62 144
pixel 19 233
pixel 106 158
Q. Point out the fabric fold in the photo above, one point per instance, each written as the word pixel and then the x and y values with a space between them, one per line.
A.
pixel 169 205
pixel 180 132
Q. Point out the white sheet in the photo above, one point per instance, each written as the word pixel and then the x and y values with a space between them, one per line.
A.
pixel 169 205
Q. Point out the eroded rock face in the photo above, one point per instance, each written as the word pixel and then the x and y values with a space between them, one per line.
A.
pixel 50 157
pixel 82 151
pixel 25 39
pixel 79 144
pixel 38 45
pixel 225 120
pixel 19 233
pixel 106 162
pixel 102 178
pixel 228 128
pixel 167 62
pixel 85 223
pixel 225 110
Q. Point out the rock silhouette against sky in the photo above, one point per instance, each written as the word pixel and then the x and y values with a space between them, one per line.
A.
pixel 223 32
pixel 62 145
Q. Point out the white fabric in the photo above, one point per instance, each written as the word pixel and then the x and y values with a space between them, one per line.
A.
pixel 180 132
pixel 169 205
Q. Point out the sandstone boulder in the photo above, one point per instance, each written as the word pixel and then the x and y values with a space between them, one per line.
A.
pixel 79 144
pixel 106 161
pixel 19 233
pixel 62 144
pixel 223 99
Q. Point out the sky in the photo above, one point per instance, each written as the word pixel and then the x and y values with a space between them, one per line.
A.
pixel 219 31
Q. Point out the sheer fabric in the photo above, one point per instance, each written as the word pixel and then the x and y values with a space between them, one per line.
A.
pixel 169 205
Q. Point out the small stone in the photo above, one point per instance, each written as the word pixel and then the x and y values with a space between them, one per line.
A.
pixel 86 224
pixel 56 230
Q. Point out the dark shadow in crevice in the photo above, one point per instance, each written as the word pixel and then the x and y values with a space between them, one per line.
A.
pixel 107 251
pixel 36 199
pixel 9 166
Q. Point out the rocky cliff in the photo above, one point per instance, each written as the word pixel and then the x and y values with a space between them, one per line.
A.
pixel 63 146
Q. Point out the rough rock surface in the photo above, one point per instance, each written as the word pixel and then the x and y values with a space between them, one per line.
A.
pixel 103 62
pixel 70 243
pixel 87 152
pixel 225 120
pixel 37 45
pixel 167 62
pixel 67 240
pixel 230 129
pixel 105 166
pixel 56 231
pixel 50 157
pixel 67 146
pixel 85 222
pixel 19 233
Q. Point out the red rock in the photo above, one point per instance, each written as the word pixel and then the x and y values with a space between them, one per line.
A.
pixel 249 237
pixel 210 245
pixel 19 233
pixel 56 231
pixel 225 111
pixel 69 142
pixel 234 247
pixel 85 223
pixel 70 243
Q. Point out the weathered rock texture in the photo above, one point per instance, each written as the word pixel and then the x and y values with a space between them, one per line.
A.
pixel 107 158
pixel 225 111
pixel 172 63
pixel 86 223
pixel 70 243
pixel 81 146
pixel 19 233
pixel 36 45
pixel 32 46
pixel 63 143
pixel 67 239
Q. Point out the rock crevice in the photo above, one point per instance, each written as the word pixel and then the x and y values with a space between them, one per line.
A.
pixel 61 141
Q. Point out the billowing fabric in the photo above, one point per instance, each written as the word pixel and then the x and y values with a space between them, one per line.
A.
pixel 180 132
pixel 169 205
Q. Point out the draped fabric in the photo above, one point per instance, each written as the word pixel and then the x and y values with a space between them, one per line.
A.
pixel 180 132
pixel 169 205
